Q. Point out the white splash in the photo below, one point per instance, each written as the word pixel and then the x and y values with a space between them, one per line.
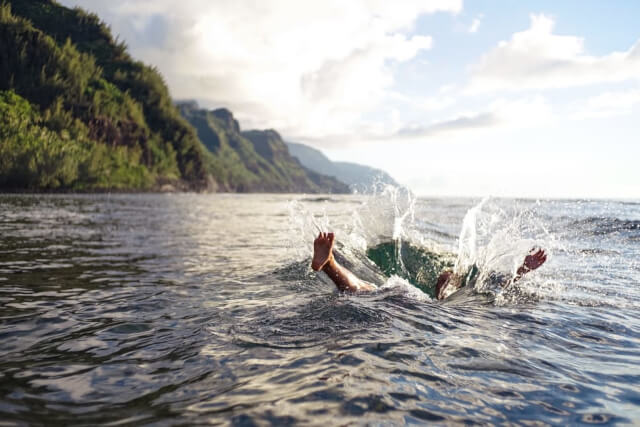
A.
pixel 467 242
pixel 495 235
pixel 400 285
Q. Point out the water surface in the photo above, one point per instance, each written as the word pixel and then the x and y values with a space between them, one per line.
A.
pixel 182 309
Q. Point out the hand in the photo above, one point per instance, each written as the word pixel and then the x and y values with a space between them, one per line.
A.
pixel 534 260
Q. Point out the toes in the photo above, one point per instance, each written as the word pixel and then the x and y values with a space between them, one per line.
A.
pixel 325 236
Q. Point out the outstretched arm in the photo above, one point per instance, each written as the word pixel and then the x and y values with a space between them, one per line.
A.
pixel 535 259
pixel 323 260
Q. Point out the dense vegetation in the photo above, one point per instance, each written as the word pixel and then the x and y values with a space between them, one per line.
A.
pixel 108 119
pixel 34 156
pixel 79 113
pixel 254 160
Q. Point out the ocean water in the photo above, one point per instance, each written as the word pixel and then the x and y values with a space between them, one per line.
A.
pixel 202 309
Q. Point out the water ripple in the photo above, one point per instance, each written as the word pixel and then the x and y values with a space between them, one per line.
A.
pixel 201 309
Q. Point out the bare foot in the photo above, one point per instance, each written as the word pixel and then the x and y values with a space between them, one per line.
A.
pixel 322 250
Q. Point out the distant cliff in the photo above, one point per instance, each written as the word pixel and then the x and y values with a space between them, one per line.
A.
pixel 252 161
pixel 360 178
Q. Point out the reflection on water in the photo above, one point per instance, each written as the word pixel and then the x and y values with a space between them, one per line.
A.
pixel 202 309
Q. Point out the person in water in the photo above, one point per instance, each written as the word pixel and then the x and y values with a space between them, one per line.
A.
pixel 448 281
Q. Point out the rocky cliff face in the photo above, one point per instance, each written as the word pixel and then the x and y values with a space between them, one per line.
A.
pixel 252 161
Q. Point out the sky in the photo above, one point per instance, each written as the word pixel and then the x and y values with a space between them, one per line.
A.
pixel 452 98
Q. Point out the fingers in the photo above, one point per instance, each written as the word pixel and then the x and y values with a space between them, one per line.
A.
pixel 537 252
pixel 540 258
pixel 325 236
pixel 535 259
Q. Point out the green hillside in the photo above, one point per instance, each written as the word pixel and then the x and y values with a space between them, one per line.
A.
pixel 253 161
pixel 62 75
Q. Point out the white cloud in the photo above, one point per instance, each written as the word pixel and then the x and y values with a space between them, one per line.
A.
pixel 501 114
pixel 460 123
pixel 505 113
pixel 607 104
pixel 538 59
pixel 522 113
pixel 431 103
pixel 475 24
pixel 307 68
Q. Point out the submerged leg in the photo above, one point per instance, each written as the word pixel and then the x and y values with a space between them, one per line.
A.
pixel 323 260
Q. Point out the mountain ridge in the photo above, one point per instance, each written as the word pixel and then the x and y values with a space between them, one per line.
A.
pixel 360 178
